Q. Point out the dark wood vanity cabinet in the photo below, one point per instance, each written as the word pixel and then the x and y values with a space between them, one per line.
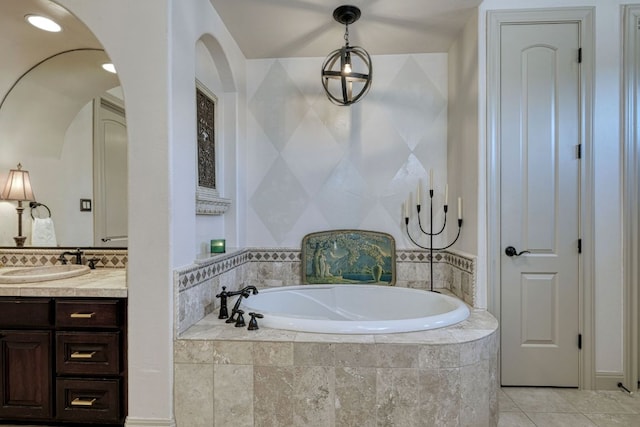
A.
pixel 63 360
pixel 26 379
pixel 26 383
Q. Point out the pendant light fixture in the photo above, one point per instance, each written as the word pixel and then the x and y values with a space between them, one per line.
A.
pixel 346 72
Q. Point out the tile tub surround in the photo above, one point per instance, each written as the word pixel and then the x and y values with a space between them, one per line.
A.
pixel 231 376
pixel 197 285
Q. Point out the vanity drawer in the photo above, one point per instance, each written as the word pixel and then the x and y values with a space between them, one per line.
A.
pixel 25 313
pixel 95 353
pixel 88 400
pixel 88 314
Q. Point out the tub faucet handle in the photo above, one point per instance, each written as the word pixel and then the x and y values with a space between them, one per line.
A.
pixel 253 322
pixel 224 313
pixel 240 319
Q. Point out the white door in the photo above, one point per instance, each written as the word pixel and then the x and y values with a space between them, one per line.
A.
pixel 540 169
pixel 110 175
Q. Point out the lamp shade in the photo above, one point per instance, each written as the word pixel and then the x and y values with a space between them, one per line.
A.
pixel 18 186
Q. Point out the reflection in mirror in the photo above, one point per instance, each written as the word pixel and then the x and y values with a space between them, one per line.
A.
pixel 47 117
pixel 110 172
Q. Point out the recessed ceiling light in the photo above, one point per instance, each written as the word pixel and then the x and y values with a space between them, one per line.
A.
pixel 43 23
pixel 109 67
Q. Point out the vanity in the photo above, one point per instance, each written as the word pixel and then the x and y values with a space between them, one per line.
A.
pixel 63 350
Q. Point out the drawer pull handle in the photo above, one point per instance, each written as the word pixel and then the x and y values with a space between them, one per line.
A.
pixel 78 401
pixel 81 355
pixel 82 315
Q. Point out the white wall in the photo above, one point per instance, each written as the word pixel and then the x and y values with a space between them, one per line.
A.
pixel 606 140
pixel 463 147
pixel 314 166
pixel 153 46
pixel 59 182
pixel 135 36
pixel 211 226
pixel 462 141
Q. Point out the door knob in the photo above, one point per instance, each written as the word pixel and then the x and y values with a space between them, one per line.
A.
pixel 511 251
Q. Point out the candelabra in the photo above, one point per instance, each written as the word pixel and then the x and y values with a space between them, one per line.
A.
pixel 431 233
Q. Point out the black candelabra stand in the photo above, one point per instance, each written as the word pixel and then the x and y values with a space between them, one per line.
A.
pixel 431 233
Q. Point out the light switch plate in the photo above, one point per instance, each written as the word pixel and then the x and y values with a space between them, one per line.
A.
pixel 85 205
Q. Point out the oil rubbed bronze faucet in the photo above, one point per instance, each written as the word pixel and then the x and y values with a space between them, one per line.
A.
pixel 224 311
pixel 77 253
pixel 243 293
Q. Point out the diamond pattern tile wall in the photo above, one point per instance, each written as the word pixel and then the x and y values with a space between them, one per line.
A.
pixel 355 165
pixel 414 104
pixel 278 105
pixel 280 199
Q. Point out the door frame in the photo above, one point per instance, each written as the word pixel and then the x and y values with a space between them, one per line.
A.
pixel 630 195
pixel 586 271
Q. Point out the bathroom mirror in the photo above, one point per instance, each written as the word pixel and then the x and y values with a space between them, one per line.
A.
pixel 56 101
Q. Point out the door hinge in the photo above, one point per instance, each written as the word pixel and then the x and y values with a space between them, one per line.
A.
pixel 579 151
pixel 579 55
pixel 579 341
pixel 579 246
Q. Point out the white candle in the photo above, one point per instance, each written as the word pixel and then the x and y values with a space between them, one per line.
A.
pixel 418 191
pixel 446 194
pixel 430 179
pixel 459 207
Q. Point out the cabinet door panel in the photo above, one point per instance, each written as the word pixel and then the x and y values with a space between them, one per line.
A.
pixel 25 359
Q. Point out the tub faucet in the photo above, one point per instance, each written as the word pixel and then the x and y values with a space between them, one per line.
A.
pixel 243 293
pixel 77 253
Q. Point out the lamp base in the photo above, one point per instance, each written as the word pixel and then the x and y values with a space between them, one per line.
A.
pixel 20 241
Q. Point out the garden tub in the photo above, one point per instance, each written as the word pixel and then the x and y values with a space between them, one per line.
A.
pixel 354 309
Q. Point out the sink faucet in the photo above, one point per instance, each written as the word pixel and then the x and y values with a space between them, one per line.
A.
pixel 243 293
pixel 77 253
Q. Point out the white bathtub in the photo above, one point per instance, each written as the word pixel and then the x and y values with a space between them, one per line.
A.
pixel 354 309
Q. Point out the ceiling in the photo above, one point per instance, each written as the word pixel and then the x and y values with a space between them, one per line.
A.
pixel 306 28
pixel 22 46
pixel 262 29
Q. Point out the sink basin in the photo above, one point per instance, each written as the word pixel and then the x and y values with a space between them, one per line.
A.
pixel 41 274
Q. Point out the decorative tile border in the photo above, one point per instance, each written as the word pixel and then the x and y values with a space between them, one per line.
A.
pixel 30 257
pixel 465 263
pixel 275 255
pixel 463 276
pixel 208 268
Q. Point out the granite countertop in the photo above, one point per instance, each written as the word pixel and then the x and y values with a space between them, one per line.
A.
pixel 98 283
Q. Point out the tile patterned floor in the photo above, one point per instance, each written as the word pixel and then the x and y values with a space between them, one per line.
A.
pixel 548 407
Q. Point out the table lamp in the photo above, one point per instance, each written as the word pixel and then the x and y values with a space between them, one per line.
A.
pixel 18 188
